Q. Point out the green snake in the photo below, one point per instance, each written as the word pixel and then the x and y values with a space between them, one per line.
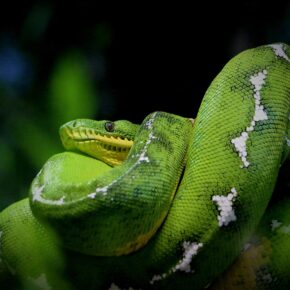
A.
pixel 170 203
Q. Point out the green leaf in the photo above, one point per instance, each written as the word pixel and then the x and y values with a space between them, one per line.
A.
pixel 72 93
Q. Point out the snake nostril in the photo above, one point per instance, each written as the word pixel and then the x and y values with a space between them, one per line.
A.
pixel 74 123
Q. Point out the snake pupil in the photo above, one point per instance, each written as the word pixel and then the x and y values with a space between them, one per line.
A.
pixel 109 126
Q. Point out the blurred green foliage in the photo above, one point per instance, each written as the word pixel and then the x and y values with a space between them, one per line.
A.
pixel 70 94
pixel 37 96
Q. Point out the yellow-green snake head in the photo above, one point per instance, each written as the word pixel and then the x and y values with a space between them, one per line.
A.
pixel 107 141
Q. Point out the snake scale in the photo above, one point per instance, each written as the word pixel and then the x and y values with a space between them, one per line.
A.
pixel 182 202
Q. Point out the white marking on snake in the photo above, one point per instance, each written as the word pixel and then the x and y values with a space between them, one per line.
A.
pixel 241 147
pixel 149 123
pixel 190 250
pixel 275 224
pixel 258 80
pixel 142 158
pixel 225 207
pixel 37 197
pixel 40 282
pixel 288 141
pixel 37 193
pixel 279 50
pixel 105 188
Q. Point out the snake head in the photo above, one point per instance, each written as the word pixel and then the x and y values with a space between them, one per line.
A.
pixel 105 140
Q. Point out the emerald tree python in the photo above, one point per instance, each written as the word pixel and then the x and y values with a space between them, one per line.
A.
pixel 182 201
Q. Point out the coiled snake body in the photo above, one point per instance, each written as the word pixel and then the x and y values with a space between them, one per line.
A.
pixel 138 225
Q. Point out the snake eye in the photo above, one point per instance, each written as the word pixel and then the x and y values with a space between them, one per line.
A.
pixel 109 126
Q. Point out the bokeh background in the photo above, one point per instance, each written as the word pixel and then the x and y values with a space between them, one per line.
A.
pixel 65 60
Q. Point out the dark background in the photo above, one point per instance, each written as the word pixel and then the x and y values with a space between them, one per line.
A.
pixel 65 60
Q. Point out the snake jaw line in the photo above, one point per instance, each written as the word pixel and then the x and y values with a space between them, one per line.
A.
pixel 112 150
pixel 103 145
pixel 70 137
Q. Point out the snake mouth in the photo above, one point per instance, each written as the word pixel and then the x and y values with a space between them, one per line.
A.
pixel 111 143
pixel 108 148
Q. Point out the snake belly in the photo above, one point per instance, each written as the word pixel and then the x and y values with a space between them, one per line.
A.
pixel 239 141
